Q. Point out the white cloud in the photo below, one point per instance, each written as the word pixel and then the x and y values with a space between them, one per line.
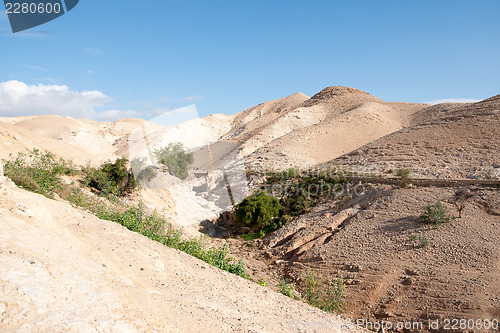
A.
pixel 20 99
pixel 112 115
pixel 90 71
pixel 453 100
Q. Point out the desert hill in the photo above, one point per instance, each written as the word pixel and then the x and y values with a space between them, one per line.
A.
pixel 398 268
pixel 333 122
pixel 294 130
pixel 446 141
pixel 79 140
pixel 373 239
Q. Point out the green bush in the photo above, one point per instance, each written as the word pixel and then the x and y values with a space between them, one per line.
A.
pixel 111 178
pixel 328 297
pixel 435 214
pixel 38 172
pixel 258 211
pixel 175 159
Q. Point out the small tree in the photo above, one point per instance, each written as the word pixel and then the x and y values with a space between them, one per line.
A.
pixel 175 158
pixel 258 211
pixel 460 199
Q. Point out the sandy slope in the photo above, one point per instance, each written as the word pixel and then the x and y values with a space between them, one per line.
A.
pixel 62 269
pixel 295 131
pixel 447 141
pixel 79 140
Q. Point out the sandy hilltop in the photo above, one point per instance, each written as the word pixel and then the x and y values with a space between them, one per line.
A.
pixel 63 269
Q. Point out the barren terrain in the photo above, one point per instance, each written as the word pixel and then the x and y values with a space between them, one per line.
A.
pixel 64 269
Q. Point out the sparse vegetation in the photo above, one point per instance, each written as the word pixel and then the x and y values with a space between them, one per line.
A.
pixel 435 214
pixel 328 297
pixel 287 287
pixel 176 159
pixel 40 173
pixel 111 178
pixel 405 178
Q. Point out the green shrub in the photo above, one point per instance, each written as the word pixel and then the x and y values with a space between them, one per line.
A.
pixel 405 178
pixel 111 178
pixel 287 287
pixel 328 297
pixel 435 214
pixel 175 159
pixel 258 211
pixel 38 172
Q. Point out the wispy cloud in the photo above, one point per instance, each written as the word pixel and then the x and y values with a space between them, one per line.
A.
pixel 37 68
pixel 90 71
pixel 51 80
pixel 192 98
pixel 112 115
pixel 453 100
pixel 94 51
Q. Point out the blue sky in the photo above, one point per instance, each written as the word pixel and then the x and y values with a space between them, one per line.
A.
pixel 110 59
